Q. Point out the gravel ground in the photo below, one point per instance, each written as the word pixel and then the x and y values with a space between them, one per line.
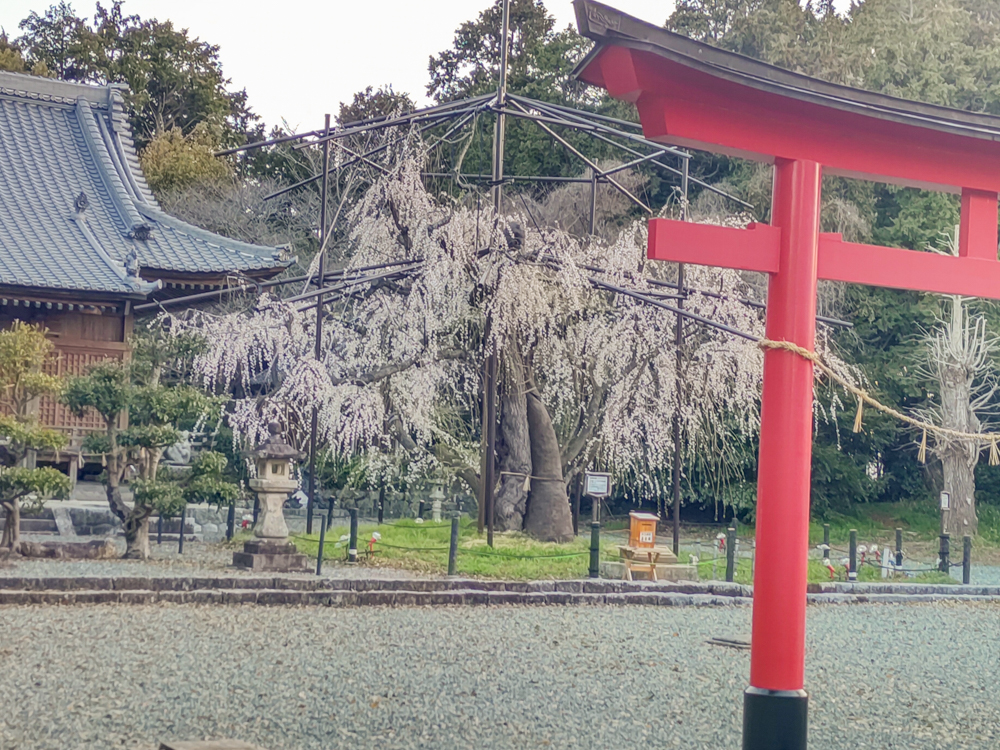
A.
pixel 199 559
pixel 907 676
pixel 988 575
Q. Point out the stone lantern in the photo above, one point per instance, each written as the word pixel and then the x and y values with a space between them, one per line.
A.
pixel 271 550
pixel 437 501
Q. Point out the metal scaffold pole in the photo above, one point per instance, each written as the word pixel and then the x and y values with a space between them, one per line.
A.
pixel 679 340
pixel 490 384
pixel 320 274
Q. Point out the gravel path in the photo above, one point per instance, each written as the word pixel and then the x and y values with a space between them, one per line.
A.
pixel 910 676
pixel 199 559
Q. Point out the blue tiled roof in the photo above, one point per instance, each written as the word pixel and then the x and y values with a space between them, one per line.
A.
pixel 74 205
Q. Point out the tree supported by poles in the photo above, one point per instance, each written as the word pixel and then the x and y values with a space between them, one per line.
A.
pixel 554 120
pixel 454 116
pixel 687 92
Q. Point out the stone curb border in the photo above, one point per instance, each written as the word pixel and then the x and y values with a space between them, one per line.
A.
pixel 315 584
pixel 363 598
pixel 444 592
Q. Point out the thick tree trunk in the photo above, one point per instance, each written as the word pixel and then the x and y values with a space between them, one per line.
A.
pixel 513 446
pixel 549 517
pixel 135 522
pixel 959 459
pixel 12 527
pixel 137 537
pixel 960 484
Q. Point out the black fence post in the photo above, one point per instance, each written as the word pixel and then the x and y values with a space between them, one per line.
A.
pixel 256 509
pixel 826 541
pixel 966 559
pixel 231 522
pixel 575 507
pixel 180 536
pixel 595 548
pixel 899 548
pixel 159 529
pixel 352 549
pixel 852 570
pixel 381 502
pixel 322 541
pixel 730 554
pixel 944 564
pixel 453 547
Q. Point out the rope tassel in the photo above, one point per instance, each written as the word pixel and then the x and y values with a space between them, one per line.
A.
pixel 857 417
pixel 994 452
pixel 922 453
pixel 527 483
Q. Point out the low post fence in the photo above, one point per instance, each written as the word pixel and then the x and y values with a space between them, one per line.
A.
pixel 726 547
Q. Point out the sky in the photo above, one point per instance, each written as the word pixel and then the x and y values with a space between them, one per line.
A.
pixel 298 59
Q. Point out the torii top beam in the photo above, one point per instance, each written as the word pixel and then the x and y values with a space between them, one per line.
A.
pixel 692 94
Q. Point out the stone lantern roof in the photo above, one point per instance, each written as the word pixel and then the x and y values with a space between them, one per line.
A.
pixel 275 446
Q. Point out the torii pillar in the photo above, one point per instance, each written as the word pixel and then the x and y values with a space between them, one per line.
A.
pixel 691 94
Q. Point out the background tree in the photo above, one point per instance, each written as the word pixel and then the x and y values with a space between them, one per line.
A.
pixel 173 81
pixel 24 352
pixel 173 161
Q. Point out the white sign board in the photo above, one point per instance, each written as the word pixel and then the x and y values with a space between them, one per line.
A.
pixel 945 501
pixel 597 484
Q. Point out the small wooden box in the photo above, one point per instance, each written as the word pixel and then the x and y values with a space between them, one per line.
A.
pixel 642 529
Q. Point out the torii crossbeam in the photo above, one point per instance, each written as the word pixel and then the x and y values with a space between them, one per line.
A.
pixel 691 94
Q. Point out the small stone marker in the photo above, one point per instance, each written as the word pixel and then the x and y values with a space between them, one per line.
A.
pixel 208 745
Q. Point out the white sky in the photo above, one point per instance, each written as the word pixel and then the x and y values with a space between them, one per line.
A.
pixel 300 58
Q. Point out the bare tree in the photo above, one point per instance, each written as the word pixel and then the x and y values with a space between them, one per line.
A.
pixel 960 359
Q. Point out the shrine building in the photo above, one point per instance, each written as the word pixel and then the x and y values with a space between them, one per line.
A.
pixel 82 238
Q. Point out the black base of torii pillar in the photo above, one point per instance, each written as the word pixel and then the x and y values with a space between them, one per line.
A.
pixel 775 719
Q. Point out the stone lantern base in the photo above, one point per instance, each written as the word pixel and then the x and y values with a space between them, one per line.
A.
pixel 271 555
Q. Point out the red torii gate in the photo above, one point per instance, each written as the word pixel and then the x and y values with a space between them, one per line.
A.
pixel 691 94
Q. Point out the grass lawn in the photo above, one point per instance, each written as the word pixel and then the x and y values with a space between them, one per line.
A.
pixel 424 548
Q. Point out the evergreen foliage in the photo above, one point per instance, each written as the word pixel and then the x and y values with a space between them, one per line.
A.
pixel 24 352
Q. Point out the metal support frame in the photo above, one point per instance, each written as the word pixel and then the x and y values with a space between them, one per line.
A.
pixel 575 151
pixel 321 273
pixel 578 119
pixel 679 342
pixel 488 474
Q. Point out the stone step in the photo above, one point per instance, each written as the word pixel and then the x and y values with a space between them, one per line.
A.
pixel 33 525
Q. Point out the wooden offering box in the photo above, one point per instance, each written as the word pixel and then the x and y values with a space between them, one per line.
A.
pixel 642 530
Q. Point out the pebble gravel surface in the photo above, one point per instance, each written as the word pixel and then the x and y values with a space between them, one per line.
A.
pixel 882 676
pixel 198 559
